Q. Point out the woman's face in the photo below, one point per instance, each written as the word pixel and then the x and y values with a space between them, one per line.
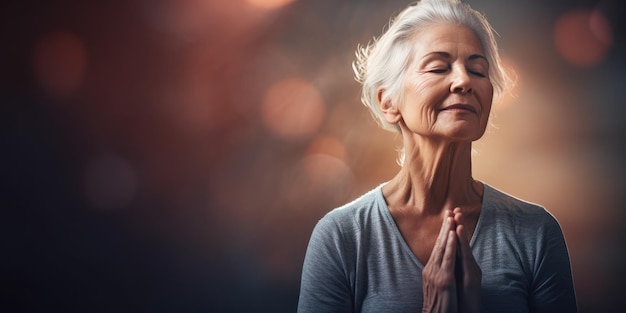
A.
pixel 447 91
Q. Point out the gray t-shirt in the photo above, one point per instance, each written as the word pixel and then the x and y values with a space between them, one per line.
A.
pixel 357 260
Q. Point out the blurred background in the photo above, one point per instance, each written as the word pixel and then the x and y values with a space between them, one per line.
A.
pixel 174 156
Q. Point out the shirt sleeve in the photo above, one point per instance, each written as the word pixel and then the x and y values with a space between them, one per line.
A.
pixel 325 285
pixel 552 288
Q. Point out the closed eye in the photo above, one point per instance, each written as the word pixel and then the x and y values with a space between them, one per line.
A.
pixel 438 70
pixel 476 73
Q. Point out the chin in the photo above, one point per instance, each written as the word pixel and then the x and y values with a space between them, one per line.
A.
pixel 464 135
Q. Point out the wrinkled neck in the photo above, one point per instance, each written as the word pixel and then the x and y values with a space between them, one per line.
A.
pixel 435 176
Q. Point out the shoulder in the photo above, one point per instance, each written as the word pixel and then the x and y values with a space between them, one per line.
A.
pixel 338 233
pixel 355 214
pixel 347 225
pixel 505 205
pixel 527 230
pixel 508 214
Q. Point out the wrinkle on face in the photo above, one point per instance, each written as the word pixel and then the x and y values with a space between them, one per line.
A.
pixel 443 53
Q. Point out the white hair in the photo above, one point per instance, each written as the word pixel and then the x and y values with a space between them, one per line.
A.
pixel 384 61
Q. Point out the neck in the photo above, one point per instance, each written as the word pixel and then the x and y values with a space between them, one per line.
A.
pixel 434 178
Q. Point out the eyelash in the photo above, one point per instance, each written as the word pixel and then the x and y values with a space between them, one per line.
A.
pixel 439 70
pixel 479 74
pixel 443 70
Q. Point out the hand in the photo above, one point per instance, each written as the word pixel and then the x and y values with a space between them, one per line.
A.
pixel 470 277
pixel 438 279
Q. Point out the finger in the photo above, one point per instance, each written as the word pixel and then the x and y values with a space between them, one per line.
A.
pixel 438 250
pixel 471 270
pixel 458 216
pixel 461 230
pixel 466 251
pixel 463 238
pixel 449 256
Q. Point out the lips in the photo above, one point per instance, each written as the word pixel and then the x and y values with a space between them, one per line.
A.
pixel 465 107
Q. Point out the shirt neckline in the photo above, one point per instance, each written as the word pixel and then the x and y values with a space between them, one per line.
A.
pixel 392 223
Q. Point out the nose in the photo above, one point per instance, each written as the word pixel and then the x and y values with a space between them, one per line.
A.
pixel 461 81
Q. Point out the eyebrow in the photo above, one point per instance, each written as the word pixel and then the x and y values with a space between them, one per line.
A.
pixel 448 56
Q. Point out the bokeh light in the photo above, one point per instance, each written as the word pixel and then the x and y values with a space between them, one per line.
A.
pixel 60 60
pixel 269 4
pixel 293 109
pixel 328 145
pixel 583 37
pixel 171 156
pixel 317 176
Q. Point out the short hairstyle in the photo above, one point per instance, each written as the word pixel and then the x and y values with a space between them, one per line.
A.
pixel 384 61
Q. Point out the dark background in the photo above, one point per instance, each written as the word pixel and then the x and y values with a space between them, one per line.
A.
pixel 174 156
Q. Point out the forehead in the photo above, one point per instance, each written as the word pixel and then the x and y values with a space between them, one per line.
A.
pixel 450 38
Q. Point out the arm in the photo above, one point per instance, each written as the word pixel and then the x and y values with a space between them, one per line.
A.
pixel 552 286
pixel 325 286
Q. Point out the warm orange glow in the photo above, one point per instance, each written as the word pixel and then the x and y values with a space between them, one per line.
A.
pixel 59 62
pixel 325 170
pixel 269 4
pixel 293 109
pixel 328 145
pixel 582 37
pixel 317 176
pixel 215 134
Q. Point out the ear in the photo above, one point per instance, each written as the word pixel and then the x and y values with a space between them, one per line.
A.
pixel 391 112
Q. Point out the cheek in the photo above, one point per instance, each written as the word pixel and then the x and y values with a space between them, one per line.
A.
pixel 486 94
pixel 421 91
pixel 422 95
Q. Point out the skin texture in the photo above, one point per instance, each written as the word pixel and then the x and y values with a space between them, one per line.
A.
pixel 434 199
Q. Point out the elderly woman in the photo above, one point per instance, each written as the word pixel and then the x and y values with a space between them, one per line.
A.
pixel 434 239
